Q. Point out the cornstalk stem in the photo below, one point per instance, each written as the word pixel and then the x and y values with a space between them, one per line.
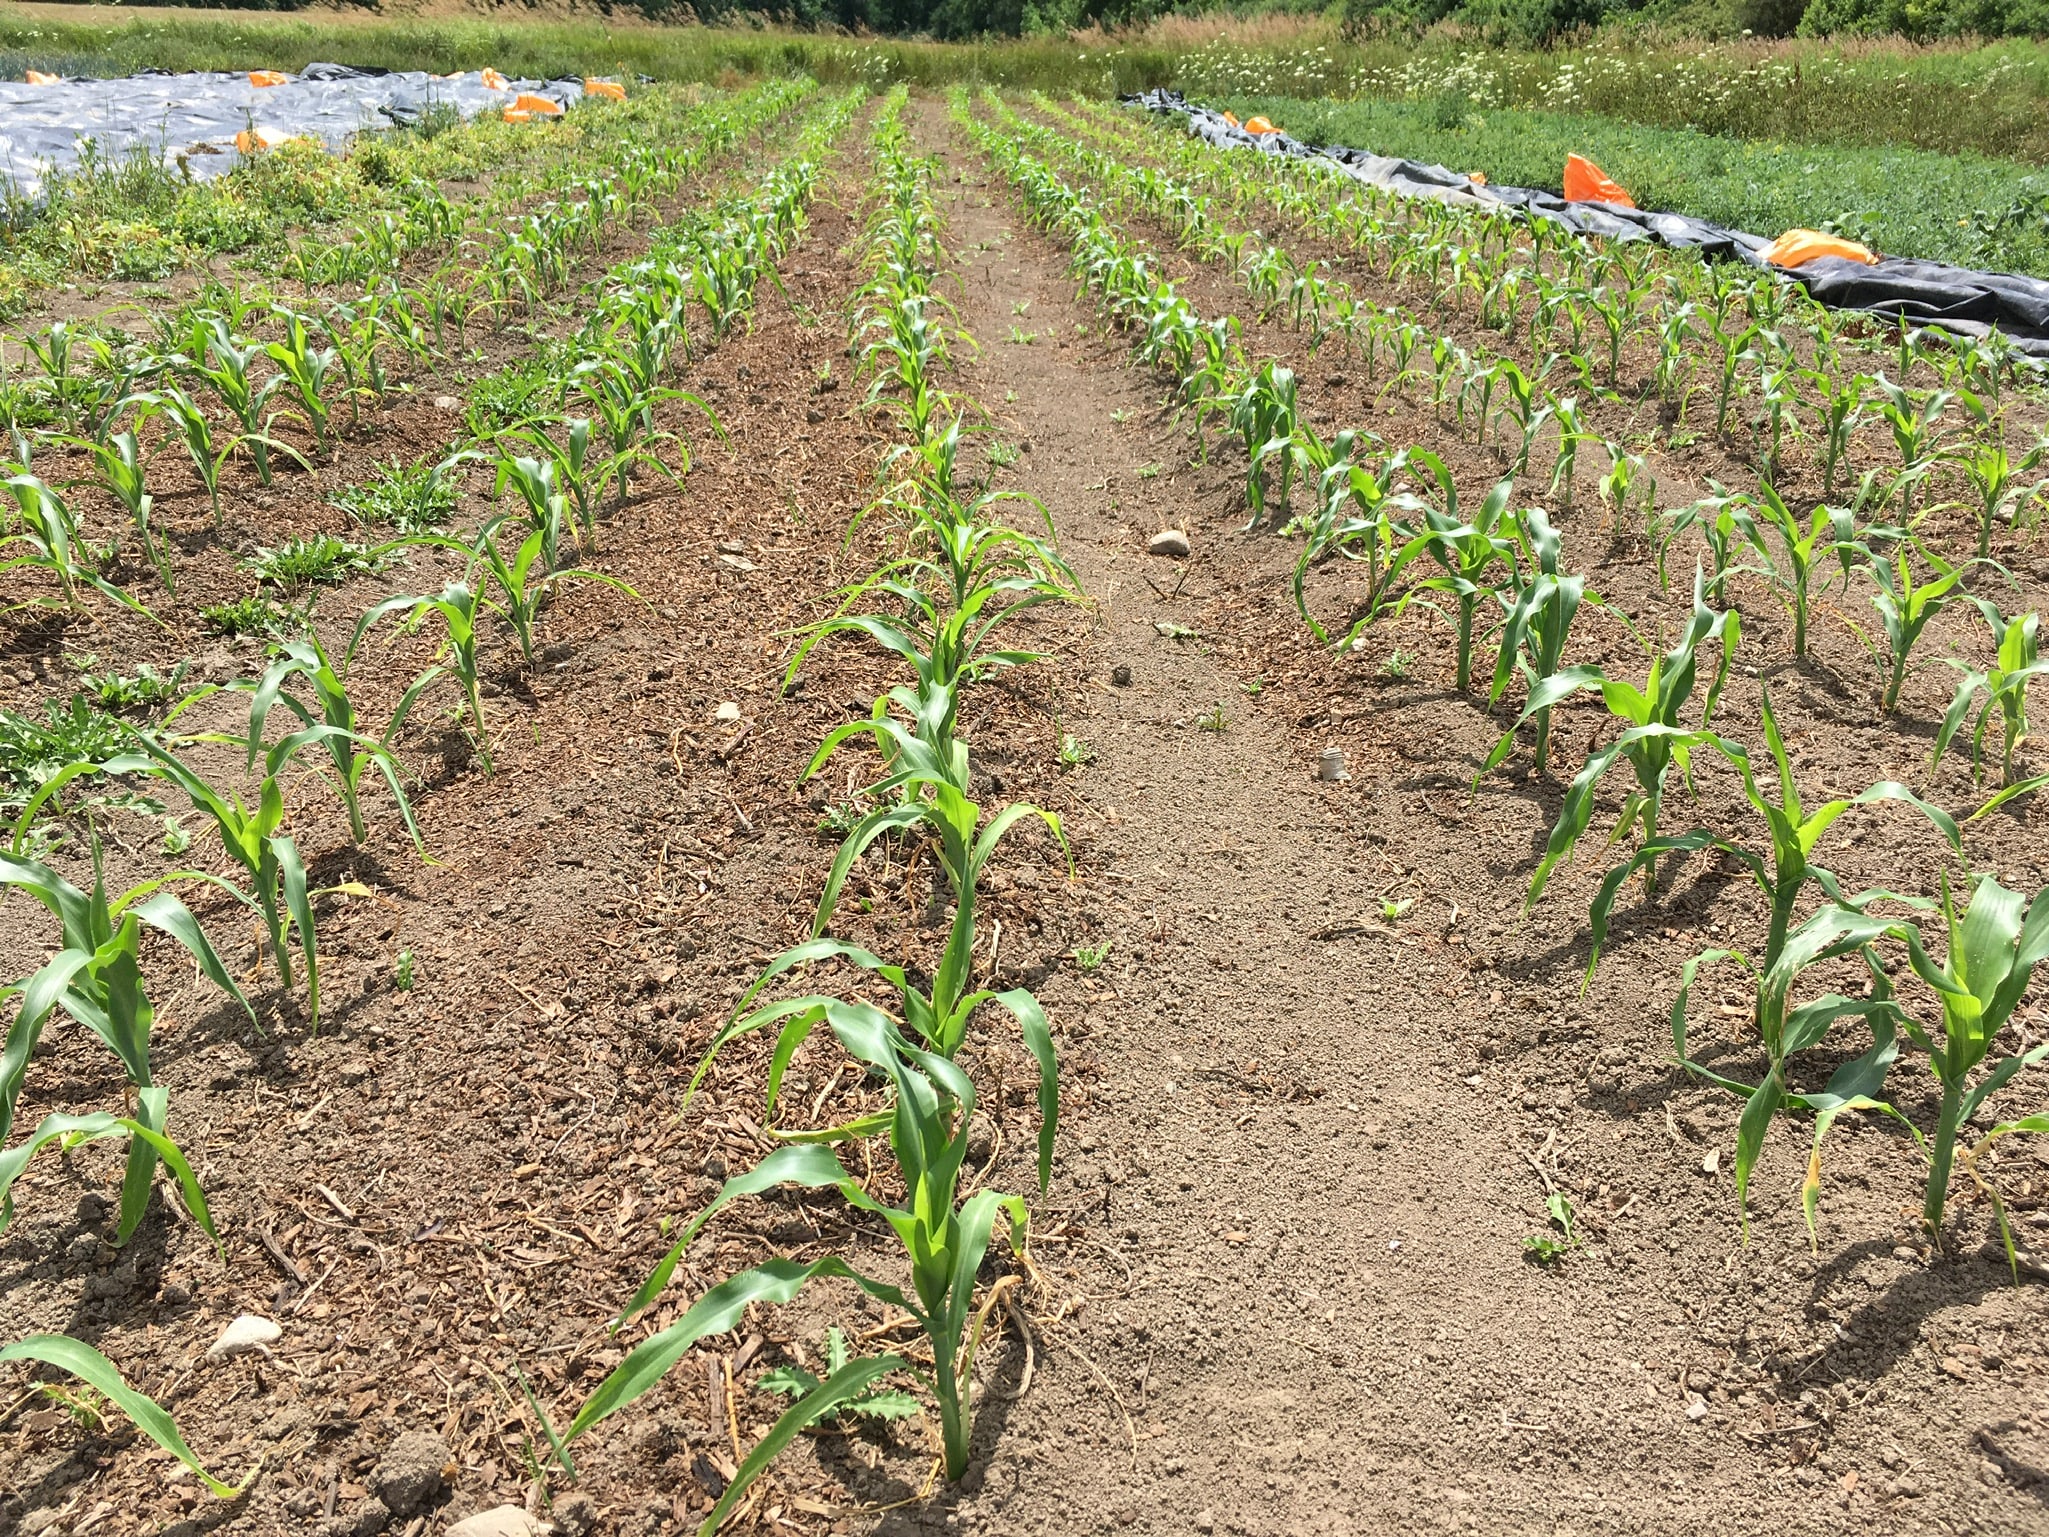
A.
pixel 1944 1155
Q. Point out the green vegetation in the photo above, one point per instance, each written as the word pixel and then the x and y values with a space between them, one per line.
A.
pixel 1963 207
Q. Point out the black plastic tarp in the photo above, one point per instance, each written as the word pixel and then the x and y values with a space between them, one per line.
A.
pixel 192 119
pixel 1915 292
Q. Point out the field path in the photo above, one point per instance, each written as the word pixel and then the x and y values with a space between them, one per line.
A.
pixel 1292 1263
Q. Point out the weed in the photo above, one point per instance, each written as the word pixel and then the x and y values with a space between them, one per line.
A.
pixel 1396 664
pixel 324 560
pixel 873 1402
pixel 402 973
pixel 1089 958
pixel 251 615
pixel 412 498
pixel 1214 719
pixel 1074 752
pixel 1545 1249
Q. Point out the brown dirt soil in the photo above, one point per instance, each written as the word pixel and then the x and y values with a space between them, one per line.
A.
pixel 1281 1283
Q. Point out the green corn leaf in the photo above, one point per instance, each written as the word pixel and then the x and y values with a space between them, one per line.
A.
pixel 96 1371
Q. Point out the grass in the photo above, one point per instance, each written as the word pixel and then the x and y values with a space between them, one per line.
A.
pixel 1985 98
pixel 1964 208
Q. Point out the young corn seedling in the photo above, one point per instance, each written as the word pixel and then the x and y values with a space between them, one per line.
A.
pixel 1786 1029
pixel 249 835
pixel 351 753
pixel 1993 951
pixel 1998 492
pixel 1652 739
pixel 2016 664
pixel 1719 521
pixel 1356 519
pixel 1468 552
pixel 1904 608
pixel 1828 530
pixel 547 507
pixel 945 1240
pixel 54 545
pixel 1914 427
pixel 122 471
pixel 457 607
pixel 525 583
pixel 1533 635
pixel 222 363
pixel 307 368
pixel 939 1015
pixel 1784 868
pixel 96 979
pixel 77 1359
pixel 1263 415
pixel 195 435
pixel 1838 411
pixel 946 646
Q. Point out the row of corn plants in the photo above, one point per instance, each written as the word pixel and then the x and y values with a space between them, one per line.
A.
pixel 1358 512
pixel 1497 561
pixel 96 977
pixel 954 576
pixel 1777 367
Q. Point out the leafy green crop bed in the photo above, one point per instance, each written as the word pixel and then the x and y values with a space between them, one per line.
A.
pixel 1967 209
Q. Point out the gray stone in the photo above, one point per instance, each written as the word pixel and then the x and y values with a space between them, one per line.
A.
pixel 409 1476
pixel 500 1521
pixel 245 1334
pixel 1168 541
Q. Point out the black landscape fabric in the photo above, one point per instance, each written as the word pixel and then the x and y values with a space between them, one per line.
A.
pixel 1897 288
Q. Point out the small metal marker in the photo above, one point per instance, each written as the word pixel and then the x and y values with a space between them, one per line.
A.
pixel 1332 767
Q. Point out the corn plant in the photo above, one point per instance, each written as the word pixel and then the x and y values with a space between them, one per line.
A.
pixel 1998 492
pixel 1839 410
pixel 1262 413
pixel 1915 428
pixel 1652 739
pixel 54 545
pixel 96 978
pixel 1356 507
pixel 626 411
pixel 123 472
pixel 946 644
pixel 2016 664
pixel 1905 606
pixel 1717 519
pixel 1786 1029
pixel 306 368
pixel 1785 867
pixel 945 1240
pixel 1540 619
pixel 195 434
pixel 351 752
pixel 525 583
pixel 1993 950
pixel 547 506
pixel 457 607
pixel 1469 554
pixel 251 838
pixel 1828 530
pixel 941 1012
pixel 216 357
pixel 80 1360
